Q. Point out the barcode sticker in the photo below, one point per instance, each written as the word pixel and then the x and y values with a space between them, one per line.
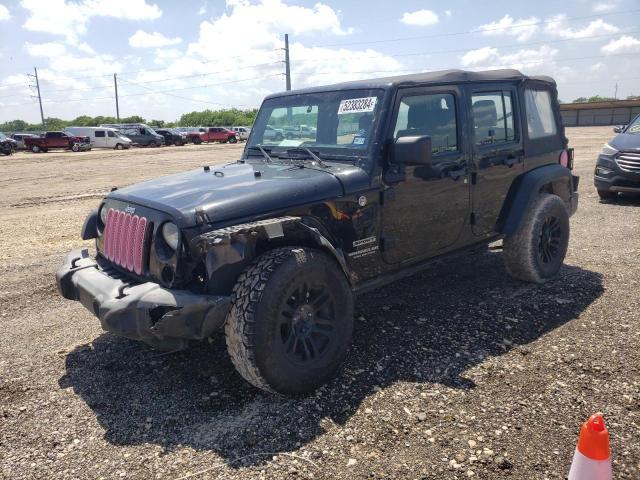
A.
pixel 357 105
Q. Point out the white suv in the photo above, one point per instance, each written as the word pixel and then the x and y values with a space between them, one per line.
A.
pixel 242 132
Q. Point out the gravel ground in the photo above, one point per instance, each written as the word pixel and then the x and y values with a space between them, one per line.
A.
pixel 458 372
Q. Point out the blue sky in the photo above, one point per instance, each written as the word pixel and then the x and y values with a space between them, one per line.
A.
pixel 176 57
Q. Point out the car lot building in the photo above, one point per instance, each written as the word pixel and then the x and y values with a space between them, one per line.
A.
pixel 614 112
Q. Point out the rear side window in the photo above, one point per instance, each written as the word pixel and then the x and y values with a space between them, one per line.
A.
pixel 493 117
pixel 100 133
pixel 433 115
pixel 540 119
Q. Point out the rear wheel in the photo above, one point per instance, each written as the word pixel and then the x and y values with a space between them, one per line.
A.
pixel 119 146
pixel 536 252
pixel 197 141
pixel 233 139
pixel 35 149
pixel 290 322
pixel 607 195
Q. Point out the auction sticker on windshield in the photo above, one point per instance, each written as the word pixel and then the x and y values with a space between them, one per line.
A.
pixel 357 105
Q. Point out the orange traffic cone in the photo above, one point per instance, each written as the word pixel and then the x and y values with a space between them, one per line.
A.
pixel 592 459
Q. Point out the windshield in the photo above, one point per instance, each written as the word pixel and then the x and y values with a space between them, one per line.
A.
pixel 634 126
pixel 340 120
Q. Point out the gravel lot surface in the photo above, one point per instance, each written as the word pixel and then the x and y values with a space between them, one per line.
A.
pixel 459 372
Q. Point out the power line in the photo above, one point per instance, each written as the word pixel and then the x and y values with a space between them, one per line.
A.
pixel 476 30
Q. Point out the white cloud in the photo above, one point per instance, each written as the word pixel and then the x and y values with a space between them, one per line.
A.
pixel 4 13
pixel 533 61
pixel 600 7
pixel 203 9
pixel 61 17
pixel 558 27
pixel 597 67
pixel 49 49
pixel 522 29
pixel 448 13
pixel 626 43
pixel 85 47
pixel 420 18
pixel 142 39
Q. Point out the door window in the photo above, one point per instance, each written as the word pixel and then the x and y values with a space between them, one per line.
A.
pixel 493 117
pixel 433 115
pixel 100 133
pixel 540 119
pixel 111 134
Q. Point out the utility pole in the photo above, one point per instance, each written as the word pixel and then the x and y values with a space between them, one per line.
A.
pixel 287 66
pixel 115 84
pixel 37 85
pixel 615 95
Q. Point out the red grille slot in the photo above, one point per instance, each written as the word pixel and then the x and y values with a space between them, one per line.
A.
pixel 124 236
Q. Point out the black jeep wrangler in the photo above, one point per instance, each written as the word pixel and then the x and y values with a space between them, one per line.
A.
pixel 394 173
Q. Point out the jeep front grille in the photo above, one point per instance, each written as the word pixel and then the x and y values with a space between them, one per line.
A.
pixel 629 161
pixel 124 236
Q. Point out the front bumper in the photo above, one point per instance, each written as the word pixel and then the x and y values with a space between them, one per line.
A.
pixel 610 178
pixel 164 318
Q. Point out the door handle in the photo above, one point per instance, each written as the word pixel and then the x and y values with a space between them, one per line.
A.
pixel 456 174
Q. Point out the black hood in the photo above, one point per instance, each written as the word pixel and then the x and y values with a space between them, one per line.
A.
pixel 626 142
pixel 240 190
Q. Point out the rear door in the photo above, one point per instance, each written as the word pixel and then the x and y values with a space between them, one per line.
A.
pixel 99 138
pixel 498 155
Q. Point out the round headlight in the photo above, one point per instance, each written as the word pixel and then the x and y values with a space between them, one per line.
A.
pixel 171 234
pixel 103 214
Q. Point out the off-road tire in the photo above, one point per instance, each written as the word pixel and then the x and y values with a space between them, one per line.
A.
pixel 607 195
pixel 254 324
pixel 523 251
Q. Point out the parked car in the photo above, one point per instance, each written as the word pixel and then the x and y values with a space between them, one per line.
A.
pixel 19 138
pixel 241 132
pixel 7 145
pixel 102 137
pixel 212 134
pixel 57 140
pixel 172 136
pixel 139 133
pixel 274 247
pixel 271 133
pixel 618 165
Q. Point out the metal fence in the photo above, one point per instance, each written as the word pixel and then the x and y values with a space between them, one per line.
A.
pixel 598 116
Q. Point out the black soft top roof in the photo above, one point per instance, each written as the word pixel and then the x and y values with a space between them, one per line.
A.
pixel 439 77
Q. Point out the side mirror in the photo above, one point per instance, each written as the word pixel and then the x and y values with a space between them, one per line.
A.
pixel 618 128
pixel 413 150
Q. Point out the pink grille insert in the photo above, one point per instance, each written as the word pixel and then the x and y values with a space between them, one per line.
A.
pixel 124 236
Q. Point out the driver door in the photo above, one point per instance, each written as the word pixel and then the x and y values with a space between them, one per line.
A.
pixel 424 207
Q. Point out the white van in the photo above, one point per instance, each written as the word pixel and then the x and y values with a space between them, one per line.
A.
pixel 101 137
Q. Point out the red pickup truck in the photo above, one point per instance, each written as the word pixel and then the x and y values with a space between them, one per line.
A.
pixel 212 134
pixel 57 140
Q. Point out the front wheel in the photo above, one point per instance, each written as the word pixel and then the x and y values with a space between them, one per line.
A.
pixel 35 149
pixel 536 252
pixel 152 144
pixel 233 139
pixel 197 141
pixel 290 322
pixel 75 147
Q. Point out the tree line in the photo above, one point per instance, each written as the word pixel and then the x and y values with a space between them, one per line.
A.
pixel 209 118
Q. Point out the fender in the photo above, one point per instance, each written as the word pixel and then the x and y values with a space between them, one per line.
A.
pixel 90 226
pixel 227 251
pixel 526 189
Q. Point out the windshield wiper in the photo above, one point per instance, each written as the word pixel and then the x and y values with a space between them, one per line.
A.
pixel 266 156
pixel 308 151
